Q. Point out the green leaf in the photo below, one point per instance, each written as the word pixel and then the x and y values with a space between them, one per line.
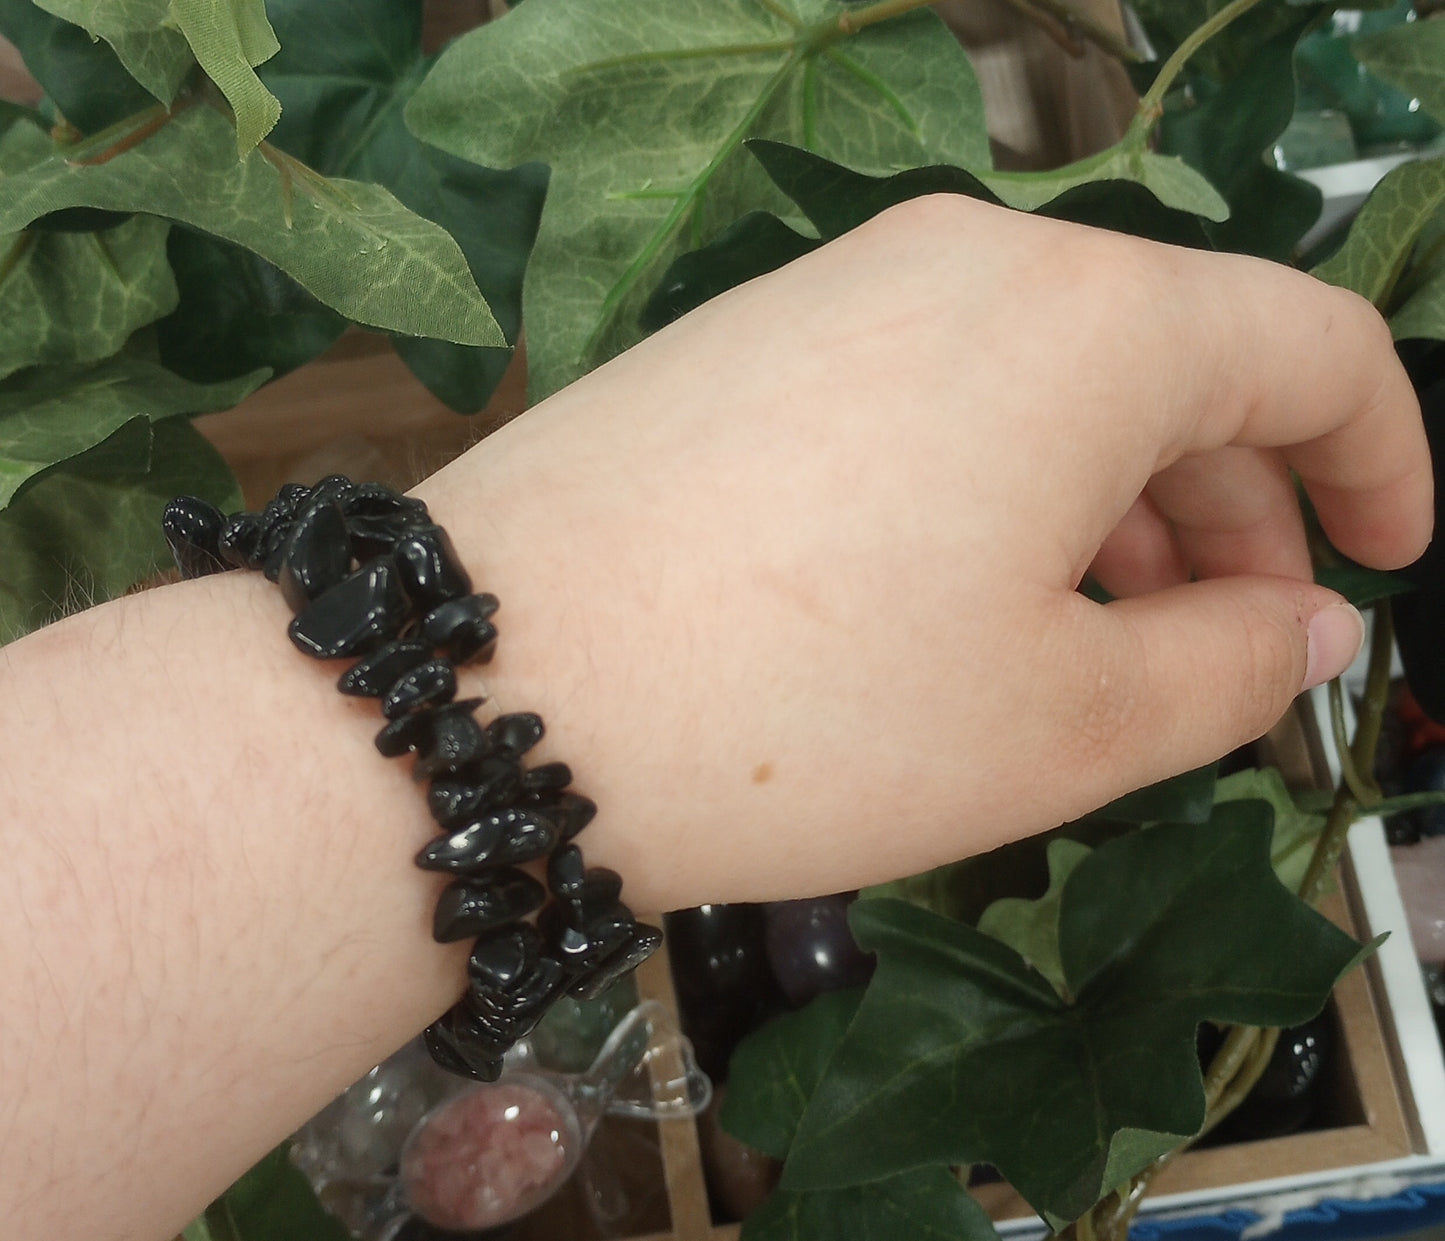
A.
pixel 772 1075
pixel 1173 182
pixel 927 1204
pixel 351 245
pixel 1224 133
pixel 88 84
pixel 275 1202
pixel 49 415
pixel 776 1068
pixel 344 74
pixel 960 1053
pixel 640 112
pixel 1421 291
pixel 836 199
pixel 1170 22
pixel 75 297
pixel 1031 928
pixel 1386 230
pixel 1295 829
pixel 91 529
pixel 1185 798
pixel 756 244
pixel 1410 56
pixel 1360 585
pixel 229 40
pixel 153 51
pixel 237 312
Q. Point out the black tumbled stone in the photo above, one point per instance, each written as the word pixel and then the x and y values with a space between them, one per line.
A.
pixel 529 994
pixel 379 500
pixel 503 957
pixel 460 627
pixel 334 487
pixel 431 572
pixel 193 532
pixel 571 812
pixel 316 555
pixel 517 731
pixel 374 674
pixel 504 838
pixel 579 947
pixel 426 685
pixel 469 907
pixel 240 541
pixel 456 799
pixel 462 1045
pixel 416 732
pixel 356 615
pixel 457 740
pixel 641 944
pixel 546 778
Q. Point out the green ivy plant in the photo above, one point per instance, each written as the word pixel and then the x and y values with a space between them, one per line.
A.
pixel 210 194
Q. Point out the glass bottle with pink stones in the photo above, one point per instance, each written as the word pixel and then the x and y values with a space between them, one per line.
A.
pixel 464 1157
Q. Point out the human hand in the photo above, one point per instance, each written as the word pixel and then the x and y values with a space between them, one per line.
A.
pixel 793 582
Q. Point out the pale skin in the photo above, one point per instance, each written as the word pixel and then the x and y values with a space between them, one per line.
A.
pixel 792 584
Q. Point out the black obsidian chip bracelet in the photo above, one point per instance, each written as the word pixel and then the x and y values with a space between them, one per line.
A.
pixel 371 578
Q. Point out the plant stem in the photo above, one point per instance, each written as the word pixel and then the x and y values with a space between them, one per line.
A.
pixel 1364 790
pixel 1151 106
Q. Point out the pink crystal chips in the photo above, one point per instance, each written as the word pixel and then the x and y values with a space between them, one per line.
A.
pixel 490 1155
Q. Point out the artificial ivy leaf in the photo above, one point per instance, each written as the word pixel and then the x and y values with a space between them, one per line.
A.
pixel 640 112
pixel 1031 928
pixel 153 51
pixel 237 312
pixel 345 71
pixel 51 414
pixel 1223 133
pixel 275 1202
pixel 1421 292
pixel 1185 798
pixel 1410 56
pixel 92 529
pixel 924 1203
pixel 350 244
pixel 1360 585
pixel 230 40
pixel 75 297
pixel 1170 22
pixel 1384 233
pixel 753 246
pixel 960 1053
pixel 836 199
pixel 88 84
pixel 1295 829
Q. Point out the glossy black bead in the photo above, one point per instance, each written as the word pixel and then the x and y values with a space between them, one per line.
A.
pixel 460 627
pixel 528 995
pixel 641 944
pixel 457 740
pixel 463 1045
pixel 469 907
pixel 374 674
pixel 571 812
pixel 240 541
pixel 503 957
pixel 581 947
pixel 192 529
pixel 456 799
pixel 416 733
pixel 334 487
pixel 431 571
pixel 316 555
pixel 599 892
pixel 291 496
pixel 379 500
pixel 503 838
pixel 356 615
pixel 546 778
pixel 426 685
pixel 516 732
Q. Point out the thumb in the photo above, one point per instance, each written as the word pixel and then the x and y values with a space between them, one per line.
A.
pixel 1198 670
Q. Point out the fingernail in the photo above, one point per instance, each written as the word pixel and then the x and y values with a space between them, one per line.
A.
pixel 1336 635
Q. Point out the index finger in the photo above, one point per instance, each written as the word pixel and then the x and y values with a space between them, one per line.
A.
pixel 1311 370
